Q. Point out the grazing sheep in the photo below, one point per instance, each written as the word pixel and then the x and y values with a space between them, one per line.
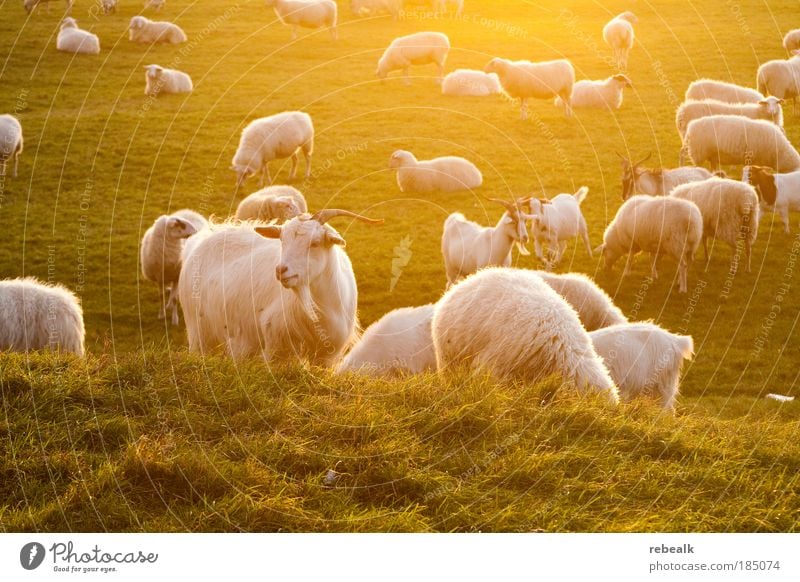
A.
pixel 656 182
pixel 512 324
pixel 109 6
pixel 469 82
pixel 605 94
pixel 643 359
pixel 72 39
pixel 420 48
pixel 704 89
pixel 280 203
pixel 270 138
pixel 289 290
pixel 306 13
pixel 781 78
pixel 660 226
pixel 444 174
pixel 618 34
pixel 157 5
pixel 392 7
pixel 729 209
pixel 556 221
pixel 160 254
pixel 30 5
pixel 525 80
pixel 468 246
pixel 10 142
pixel 148 31
pixel 593 305
pixel 732 139
pixel 778 192
pixel 791 42
pixel 159 80
pixel 37 316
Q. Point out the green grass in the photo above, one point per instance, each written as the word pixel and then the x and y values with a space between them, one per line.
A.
pixel 144 436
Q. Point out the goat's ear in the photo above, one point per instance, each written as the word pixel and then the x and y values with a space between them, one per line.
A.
pixel 508 219
pixel 333 238
pixel 601 248
pixel 270 231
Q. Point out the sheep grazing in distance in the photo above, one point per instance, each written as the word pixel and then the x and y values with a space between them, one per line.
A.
pixel 159 80
pixel 556 221
pixel 444 174
pixel 791 42
pixel 704 89
pixel 271 138
pixel 658 225
pixel 594 307
pixel 729 209
pixel 280 203
pixel 109 6
pixel 30 5
pixel 605 94
pixel 618 34
pixel 11 142
pixel 289 293
pixel 306 14
pixel 656 182
pixel 144 30
pixel 392 7
pixel 643 359
pixel 157 5
pixel 37 316
pixel 160 254
pixel 419 48
pixel 469 82
pixel 781 78
pixel 732 139
pixel 72 39
pixel 510 323
pixel 778 192
pixel 525 80
pixel 468 246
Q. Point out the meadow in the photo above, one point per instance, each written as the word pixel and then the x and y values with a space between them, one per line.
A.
pixel 142 435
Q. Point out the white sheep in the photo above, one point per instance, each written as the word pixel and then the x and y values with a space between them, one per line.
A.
pixel 643 359
pixel 156 5
pixel 618 34
pixel 656 182
pixel 306 14
pixel 11 142
pixel 30 5
pixel 729 209
pixel 276 137
pixel 511 324
pixel 109 6
pixel 444 174
pixel 791 42
pixel 658 225
pixel 778 192
pixel 593 305
pixel 732 139
pixel 289 292
pixel 438 6
pixel 604 94
pixel 703 89
pixel 160 254
pixel 72 39
pixel 37 316
pixel 781 78
pixel 280 203
pixel 144 30
pixel 419 48
pixel 469 82
pixel 556 221
pixel 468 246
pixel 525 80
pixel 392 7
pixel 159 80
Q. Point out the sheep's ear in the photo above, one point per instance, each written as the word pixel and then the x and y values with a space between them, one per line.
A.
pixel 270 231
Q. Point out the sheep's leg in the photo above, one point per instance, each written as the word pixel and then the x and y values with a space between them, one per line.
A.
pixel 440 67
pixel 295 160
pixel 3 167
pixel 294 32
pixel 654 265
pixel 406 78
pixel 266 178
pixel 16 162
pixel 537 245
pixel 785 219
pixel 705 251
pixel 748 247
pixel 585 237
pixel 683 276
pixel 334 32
pixel 566 98
pixel 562 247
pixel 523 109
pixel 628 264
pixel 307 155
pixel 173 303
pixel 163 299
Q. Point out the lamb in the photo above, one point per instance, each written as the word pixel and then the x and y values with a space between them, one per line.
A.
pixel 10 142
pixel 157 5
pixel 656 182
pixel 643 359
pixel 72 39
pixel 469 82
pixel 780 192
pixel 512 324
pixel 732 139
pixel 729 209
pixel 289 293
pixel 658 225
pixel 280 203
pixel 556 221
pixel 144 30
pixel 159 80
pixel 605 94
pixel 444 174
pixel 781 78
pixel 618 34
pixel 109 6
pixel 467 246
pixel 525 80
pixel 306 13
pixel 594 307
pixel 420 48
pixel 392 7
pixel 791 42
pixel 270 138
pixel 37 316
pixel 30 5
pixel 703 89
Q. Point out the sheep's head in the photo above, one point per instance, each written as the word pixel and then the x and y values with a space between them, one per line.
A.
pixel 631 174
pixel 286 207
pixel 496 65
pixel 629 16
pixel 514 221
pixel 30 5
pixel 154 72
pixel 69 22
pixel 382 71
pixel 773 106
pixel 623 81
pixel 137 22
pixel 400 159
pixel 177 228
pixel 243 172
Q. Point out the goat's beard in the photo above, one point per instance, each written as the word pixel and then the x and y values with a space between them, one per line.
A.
pixel 307 302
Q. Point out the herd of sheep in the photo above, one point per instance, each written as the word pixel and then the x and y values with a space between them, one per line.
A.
pixel 275 281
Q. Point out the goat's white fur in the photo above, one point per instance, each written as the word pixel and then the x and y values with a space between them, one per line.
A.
pixel 557 221
pixel 593 305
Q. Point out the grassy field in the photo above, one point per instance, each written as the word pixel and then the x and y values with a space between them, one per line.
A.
pixel 141 435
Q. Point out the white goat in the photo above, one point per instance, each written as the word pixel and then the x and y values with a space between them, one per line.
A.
pixel 159 80
pixel 11 142
pixel 525 80
pixel 144 30
pixel 703 89
pixel 280 203
pixel 469 82
pixel 656 182
pixel 306 14
pixel 604 94
pixel 444 174
pixel 618 34
pixel 778 192
pixel 72 39
pixel 556 221
pixel 419 48
pixel 781 78
pixel 593 305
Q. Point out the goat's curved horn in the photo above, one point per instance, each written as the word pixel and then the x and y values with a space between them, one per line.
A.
pixel 324 216
pixel 621 157
pixel 508 205
pixel 644 159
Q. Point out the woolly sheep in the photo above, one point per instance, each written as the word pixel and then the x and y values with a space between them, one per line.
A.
pixel 703 89
pixel 72 39
pixel 656 182
pixel 444 174
pixel 159 80
pixel 279 203
pixel 556 221
pixel 393 7
pixel 512 324
pixel 419 48
pixel 593 305
pixel 778 192
pixel 732 139
pixel 144 30
pixel 270 138
pixel 791 42
pixel 157 5
pixel 469 82
pixel 618 34
pixel 729 209
pixel 525 80
pixel 30 5
pixel 10 142
pixel 36 316
pixel 109 6
pixel 438 6
pixel 781 78
pixel 643 359
pixel 605 94
pixel 658 225
pixel 306 13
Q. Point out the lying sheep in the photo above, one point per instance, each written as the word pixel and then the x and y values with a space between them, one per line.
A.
pixel 306 13
pixel 159 80
pixel 593 305
pixel 109 6
pixel 605 94
pixel 618 34
pixel 392 7
pixel 781 78
pixel 157 5
pixel 469 82
pixel 791 42
pixel 778 192
pixel 444 174
pixel 144 30
pixel 10 142
pixel 72 39
pixel 37 316
pixel 512 324
pixel 556 221
pixel 525 80
pixel 420 48
pixel 279 203
pixel 704 89
pixel 656 182
pixel 643 359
